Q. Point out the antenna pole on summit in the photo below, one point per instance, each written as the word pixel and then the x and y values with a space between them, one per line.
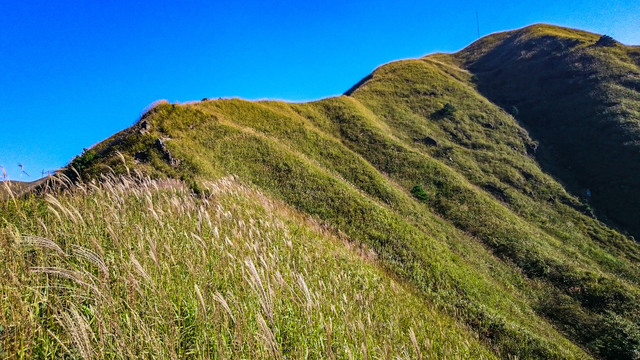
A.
pixel 478 24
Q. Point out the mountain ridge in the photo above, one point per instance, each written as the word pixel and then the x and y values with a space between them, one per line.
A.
pixel 482 156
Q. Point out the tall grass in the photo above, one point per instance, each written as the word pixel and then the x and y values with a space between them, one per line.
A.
pixel 136 268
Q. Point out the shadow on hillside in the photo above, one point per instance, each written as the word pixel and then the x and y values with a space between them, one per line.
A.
pixel 565 100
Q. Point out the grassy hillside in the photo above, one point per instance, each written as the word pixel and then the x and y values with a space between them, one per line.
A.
pixel 579 95
pixel 446 193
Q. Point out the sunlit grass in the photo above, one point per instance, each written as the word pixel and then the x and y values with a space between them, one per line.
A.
pixel 138 268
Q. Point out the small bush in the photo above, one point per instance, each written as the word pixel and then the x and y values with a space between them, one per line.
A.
pixel 447 111
pixel 607 41
pixel 419 193
pixel 83 161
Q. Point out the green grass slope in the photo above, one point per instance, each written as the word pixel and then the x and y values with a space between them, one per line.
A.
pixel 419 165
pixel 579 95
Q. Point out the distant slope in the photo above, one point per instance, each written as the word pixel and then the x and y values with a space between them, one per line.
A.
pixel 10 188
pixel 421 164
pixel 580 97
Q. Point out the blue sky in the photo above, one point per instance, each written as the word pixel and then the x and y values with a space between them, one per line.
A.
pixel 74 72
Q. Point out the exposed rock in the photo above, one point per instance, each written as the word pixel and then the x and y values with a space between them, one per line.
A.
pixel 160 144
pixel 145 127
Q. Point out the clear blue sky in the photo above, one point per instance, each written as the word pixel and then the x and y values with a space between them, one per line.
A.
pixel 74 72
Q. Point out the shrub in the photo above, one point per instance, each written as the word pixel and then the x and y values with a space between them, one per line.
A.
pixel 419 193
pixel 448 109
pixel 606 40
pixel 84 160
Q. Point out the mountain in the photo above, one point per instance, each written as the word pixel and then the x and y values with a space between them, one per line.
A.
pixel 444 195
pixel 578 94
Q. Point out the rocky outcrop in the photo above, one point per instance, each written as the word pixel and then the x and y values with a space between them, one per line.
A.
pixel 162 147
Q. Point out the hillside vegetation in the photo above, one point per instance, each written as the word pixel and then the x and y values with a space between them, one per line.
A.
pixel 414 216
pixel 138 268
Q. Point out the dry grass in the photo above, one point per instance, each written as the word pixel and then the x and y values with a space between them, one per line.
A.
pixel 138 268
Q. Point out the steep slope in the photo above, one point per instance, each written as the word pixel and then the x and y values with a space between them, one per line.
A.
pixel 579 95
pixel 419 164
